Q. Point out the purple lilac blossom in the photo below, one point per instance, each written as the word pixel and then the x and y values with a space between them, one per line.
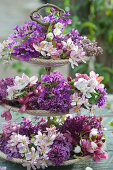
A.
pixel 4 83
pixel 10 154
pixel 101 98
pixel 27 128
pixel 56 94
pixel 60 151
pixel 80 124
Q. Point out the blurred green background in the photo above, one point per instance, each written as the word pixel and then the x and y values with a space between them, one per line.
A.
pixel 93 18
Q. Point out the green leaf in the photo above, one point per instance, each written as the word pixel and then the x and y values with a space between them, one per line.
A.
pixel 54 43
pixel 20 94
pixel 111 123
pixel 88 24
pixel 92 100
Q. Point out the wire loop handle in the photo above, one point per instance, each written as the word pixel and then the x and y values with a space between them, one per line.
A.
pixel 42 6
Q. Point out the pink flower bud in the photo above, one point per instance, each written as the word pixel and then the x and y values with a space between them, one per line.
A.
pixel 29 94
pixel 69 79
pixel 26 100
pixel 36 92
pixel 103 140
pixel 7 115
pixel 23 108
pixel 99 145
pixel 21 100
pixel 101 118
pixel 98 137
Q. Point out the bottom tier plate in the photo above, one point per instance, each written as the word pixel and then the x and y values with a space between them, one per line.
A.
pixel 69 162
pixel 34 112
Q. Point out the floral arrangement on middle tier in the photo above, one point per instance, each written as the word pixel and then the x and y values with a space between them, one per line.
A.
pixel 39 146
pixel 53 92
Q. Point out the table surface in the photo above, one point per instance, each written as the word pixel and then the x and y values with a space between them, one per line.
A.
pixel 107 114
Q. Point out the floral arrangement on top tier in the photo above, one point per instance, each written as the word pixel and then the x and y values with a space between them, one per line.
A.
pixel 53 93
pixel 38 146
pixel 36 41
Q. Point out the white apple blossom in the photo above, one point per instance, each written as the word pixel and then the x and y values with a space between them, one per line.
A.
pixel 17 139
pixel 77 54
pixel 59 25
pixel 37 156
pixel 88 168
pixel 50 35
pixel 81 84
pixel 33 79
pixel 57 31
pixel 73 62
pixel 21 82
pixel 68 44
pixel 10 91
pixel 94 145
pixel 93 132
pixel 40 47
pixel 77 149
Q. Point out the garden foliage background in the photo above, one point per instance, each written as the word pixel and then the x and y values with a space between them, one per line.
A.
pixel 93 18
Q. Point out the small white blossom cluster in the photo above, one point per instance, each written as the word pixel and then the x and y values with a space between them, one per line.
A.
pixel 19 141
pixel 34 151
pixel 85 88
pixel 46 47
pixel 6 50
pixel 58 28
pixel 19 84
pixel 76 53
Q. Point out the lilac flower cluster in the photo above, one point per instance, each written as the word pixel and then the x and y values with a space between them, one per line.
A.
pixel 60 151
pixel 73 127
pixel 101 99
pixel 5 149
pixel 3 168
pixel 91 48
pixel 27 128
pixel 56 94
pixel 4 83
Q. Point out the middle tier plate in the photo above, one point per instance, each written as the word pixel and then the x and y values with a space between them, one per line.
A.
pixel 34 112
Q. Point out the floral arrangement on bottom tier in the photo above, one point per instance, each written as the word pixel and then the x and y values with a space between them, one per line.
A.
pixel 66 139
pixel 53 93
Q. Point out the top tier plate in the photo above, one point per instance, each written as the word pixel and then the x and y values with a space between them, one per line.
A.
pixel 45 62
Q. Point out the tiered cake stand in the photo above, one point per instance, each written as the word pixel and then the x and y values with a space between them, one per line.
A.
pixel 47 63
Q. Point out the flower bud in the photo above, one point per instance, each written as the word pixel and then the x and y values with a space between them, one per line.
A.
pixel 69 79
